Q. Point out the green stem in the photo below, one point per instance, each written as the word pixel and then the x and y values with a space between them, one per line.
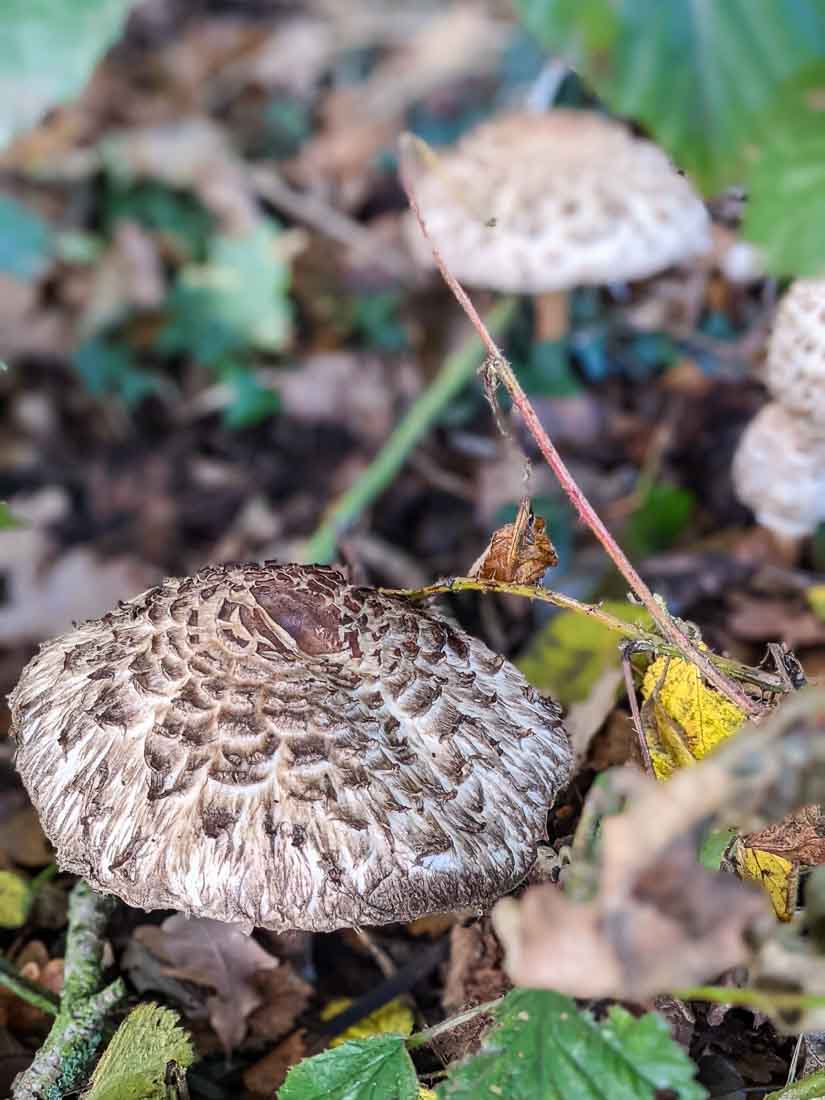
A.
pixel 456 372
pixel 63 1063
pixel 643 638
pixel 28 991
pixel 426 1036
pixel 752 998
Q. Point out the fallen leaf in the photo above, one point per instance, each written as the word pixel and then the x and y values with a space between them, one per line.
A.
pixel 778 877
pixel 22 839
pixel 800 837
pixel 284 997
pixel 393 1018
pixel 216 955
pixel 519 552
pixel 15 899
pixel 265 1077
pixel 683 719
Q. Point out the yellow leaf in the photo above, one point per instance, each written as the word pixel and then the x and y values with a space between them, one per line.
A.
pixel 15 899
pixel 426 1094
pixel 775 874
pixel 815 595
pixel 683 718
pixel 391 1019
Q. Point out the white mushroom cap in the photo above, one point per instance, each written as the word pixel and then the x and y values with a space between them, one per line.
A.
pixel 779 471
pixel 267 744
pixel 795 372
pixel 532 203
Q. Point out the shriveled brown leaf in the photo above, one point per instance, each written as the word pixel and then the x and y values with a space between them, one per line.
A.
pixel 799 838
pixel 216 955
pixel 264 1077
pixel 22 839
pixel 645 917
pixel 519 552
pixel 285 996
pixel 474 975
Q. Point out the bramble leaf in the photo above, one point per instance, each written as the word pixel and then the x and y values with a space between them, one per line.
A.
pixel 543 1046
pixel 133 1066
pixel 362 1069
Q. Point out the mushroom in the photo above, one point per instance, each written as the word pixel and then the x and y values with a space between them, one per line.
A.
pixel 270 745
pixel 795 372
pixel 531 203
pixel 779 472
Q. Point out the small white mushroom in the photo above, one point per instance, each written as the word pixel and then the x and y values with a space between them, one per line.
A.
pixel 795 371
pixel 267 744
pixel 532 203
pixel 779 472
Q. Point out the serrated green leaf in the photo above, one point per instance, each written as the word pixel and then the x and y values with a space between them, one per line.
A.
pixel 699 76
pixel 26 241
pixel 785 214
pixel 48 49
pixel 544 1047
pixel 571 652
pixel 362 1069
pixel 15 899
pixel 809 1088
pixel 133 1066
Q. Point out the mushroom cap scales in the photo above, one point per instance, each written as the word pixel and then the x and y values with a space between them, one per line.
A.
pixel 267 744
pixel 532 203
pixel 795 371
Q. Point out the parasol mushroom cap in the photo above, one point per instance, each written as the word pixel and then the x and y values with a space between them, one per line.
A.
pixel 530 203
pixel 795 371
pixel 269 745
pixel 779 472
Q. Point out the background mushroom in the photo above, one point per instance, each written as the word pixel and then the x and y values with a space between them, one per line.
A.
pixel 534 204
pixel 273 746
pixel 779 472
pixel 795 371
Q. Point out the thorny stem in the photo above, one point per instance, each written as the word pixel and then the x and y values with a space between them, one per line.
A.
pixel 424 1037
pixel 503 372
pixel 63 1062
pixel 643 639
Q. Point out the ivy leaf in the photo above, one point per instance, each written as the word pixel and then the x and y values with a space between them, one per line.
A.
pixel 785 214
pixel 647 60
pixel 361 1069
pixel 26 242
pixel 543 1046
pixel 48 49
pixel 133 1066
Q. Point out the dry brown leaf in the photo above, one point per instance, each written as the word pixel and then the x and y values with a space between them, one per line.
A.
pixel 216 955
pixel 284 995
pixel 519 552
pixel 22 839
pixel 646 917
pixel 799 838
pixel 265 1077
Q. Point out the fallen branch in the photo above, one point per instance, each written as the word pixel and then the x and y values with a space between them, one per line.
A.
pixel 63 1062
pixel 497 366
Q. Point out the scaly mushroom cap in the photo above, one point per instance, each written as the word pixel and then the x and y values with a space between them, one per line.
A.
pixel 273 746
pixel 779 471
pixel 533 203
pixel 795 372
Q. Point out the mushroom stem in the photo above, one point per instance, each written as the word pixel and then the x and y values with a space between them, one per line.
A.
pixel 641 638
pixel 498 365
pixel 62 1063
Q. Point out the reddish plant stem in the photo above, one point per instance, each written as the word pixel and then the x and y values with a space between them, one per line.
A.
pixel 504 373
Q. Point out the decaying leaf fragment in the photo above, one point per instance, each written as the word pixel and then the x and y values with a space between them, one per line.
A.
pixel 647 918
pixel 519 552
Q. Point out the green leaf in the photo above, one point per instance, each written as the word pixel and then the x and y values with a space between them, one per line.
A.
pixel 251 402
pixel 714 845
pixel 48 49
pixel 699 76
pixel 544 1047
pixel 571 652
pixel 785 214
pixel 661 517
pixel 235 302
pixel 26 242
pixel 809 1088
pixel 133 1066
pixel 8 521
pixel 362 1069
pixel 108 368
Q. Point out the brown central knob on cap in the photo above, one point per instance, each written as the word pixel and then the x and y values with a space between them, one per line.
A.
pixel 269 745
